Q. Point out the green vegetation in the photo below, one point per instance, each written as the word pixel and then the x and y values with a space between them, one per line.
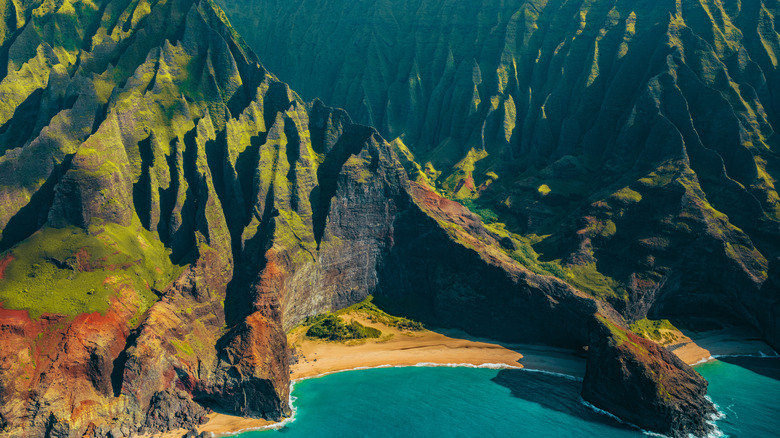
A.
pixel 70 271
pixel 602 228
pixel 375 314
pixel 333 328
pixel 460 183
pixel 416 172
pixel 183 347
pixel 527 257
pixel 585 277
pixel 488 215
pixel 661 331
pixel 588 279
pixel 620 335
pixel 627 195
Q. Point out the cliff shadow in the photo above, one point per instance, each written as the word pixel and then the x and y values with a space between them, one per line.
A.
pixel 553 391
pixel 765 366
pixel 34 215
pixel 743 346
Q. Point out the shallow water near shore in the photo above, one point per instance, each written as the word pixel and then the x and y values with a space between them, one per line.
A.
pixel 746 390
pixel 465 402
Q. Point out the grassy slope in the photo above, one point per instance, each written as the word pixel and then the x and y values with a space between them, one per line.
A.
pixel 70 271
pixel 333 326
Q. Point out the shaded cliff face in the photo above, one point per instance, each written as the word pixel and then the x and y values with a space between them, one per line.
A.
pixel 644 384
pixel 170 209
pixel 448 269
pixel 631 142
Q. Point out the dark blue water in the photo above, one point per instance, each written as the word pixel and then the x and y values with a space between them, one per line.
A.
pixel 468 402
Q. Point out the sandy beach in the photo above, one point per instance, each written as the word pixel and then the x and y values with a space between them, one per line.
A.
pixel 445 347
pixel 220 425
pixel 698 347
pixel 409 348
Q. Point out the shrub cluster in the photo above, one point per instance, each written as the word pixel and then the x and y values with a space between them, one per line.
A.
pixel 332 328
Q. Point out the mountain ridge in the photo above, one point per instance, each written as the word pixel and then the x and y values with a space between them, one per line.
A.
pixel 631 144
pixel 159 135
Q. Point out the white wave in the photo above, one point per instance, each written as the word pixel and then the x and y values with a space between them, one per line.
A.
pixel 618 419
pixel 492 366
pixel 553 373
pixel 496 366
pixel 317 376
pixel 274 426
pixel 760 355
pixel 716 433
pixel 718 415
pixel 704 360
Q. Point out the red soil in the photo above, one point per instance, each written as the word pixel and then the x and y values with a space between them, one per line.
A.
pixel 4 262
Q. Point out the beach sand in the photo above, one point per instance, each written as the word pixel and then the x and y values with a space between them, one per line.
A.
pixel 698 347
pixel 220 425
pixel 443 347
pixel 408 348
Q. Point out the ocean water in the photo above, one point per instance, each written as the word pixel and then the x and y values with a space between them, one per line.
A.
pixel 469 402
pixel 747 392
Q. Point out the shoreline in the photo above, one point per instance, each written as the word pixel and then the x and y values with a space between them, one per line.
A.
pixel 441 347
pixel 696 348
pixel 454 348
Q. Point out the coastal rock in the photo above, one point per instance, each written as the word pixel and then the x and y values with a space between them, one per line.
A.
pixel 171 410
pixel 644 384
pixel 272 209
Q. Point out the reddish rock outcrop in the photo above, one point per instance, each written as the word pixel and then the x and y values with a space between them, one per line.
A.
pixel 643 383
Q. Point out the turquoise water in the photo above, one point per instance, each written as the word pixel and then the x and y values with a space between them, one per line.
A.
pixel 468 402
pixel 747 391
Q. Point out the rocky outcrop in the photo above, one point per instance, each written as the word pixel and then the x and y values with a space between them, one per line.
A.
pixel 172 410
pixel 190 207
pixel 96 184
pixel 643 383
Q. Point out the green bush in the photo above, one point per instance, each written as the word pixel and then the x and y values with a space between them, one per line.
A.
pixel 487 215
pixel 332 328
pixel 374 313
pixel 656 330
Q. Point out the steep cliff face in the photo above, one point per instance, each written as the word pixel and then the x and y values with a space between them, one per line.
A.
pixel 170 209
pixel 448 269
pixel 636 137
pixel 644 383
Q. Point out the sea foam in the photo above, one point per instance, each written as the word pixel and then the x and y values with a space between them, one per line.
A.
pixel 760 355
pixel 716 433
